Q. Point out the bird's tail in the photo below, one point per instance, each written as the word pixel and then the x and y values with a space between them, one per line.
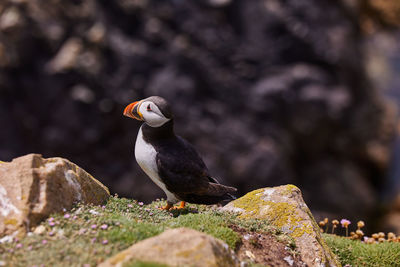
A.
pixel 224 192
pixel 226 199
pixel 232 197
pixel 220 189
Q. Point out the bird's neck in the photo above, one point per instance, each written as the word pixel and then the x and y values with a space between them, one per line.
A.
pixel 154 134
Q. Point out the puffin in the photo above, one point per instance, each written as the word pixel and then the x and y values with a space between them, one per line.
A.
pixel 170 161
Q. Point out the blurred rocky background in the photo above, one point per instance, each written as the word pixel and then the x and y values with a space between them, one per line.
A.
pixel 269 91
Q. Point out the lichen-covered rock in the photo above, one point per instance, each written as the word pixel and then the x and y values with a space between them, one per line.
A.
pixel 285 209
pixel 178 247
pixel 32 187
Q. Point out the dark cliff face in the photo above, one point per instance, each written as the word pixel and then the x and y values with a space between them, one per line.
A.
pixel 270 92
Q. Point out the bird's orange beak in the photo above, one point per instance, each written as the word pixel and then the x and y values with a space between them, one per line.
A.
pixel 132 111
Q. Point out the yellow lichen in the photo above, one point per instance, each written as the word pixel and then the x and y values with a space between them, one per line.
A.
pixel 280 214
pixel 120 257
pixel 251 203
pixel 289 189
pixel 11 221
pixel 285 214
pixel 193 252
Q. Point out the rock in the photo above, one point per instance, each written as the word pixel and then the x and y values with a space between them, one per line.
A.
pixel 10 19
pixel 286 210
pixel 219 3
pixel 39 230
pixel 66 57
pixel 386 12
pixel 31 188
pixel 178 247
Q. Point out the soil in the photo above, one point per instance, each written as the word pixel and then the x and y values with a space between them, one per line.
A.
pixel 265 249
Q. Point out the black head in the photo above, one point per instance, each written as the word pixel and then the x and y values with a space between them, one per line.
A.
pixel 154 111
pixel 162 104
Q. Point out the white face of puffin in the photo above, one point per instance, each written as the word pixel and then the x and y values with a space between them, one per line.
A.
pixel 151 114
pixel 147 111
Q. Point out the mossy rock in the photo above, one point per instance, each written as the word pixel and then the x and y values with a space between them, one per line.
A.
pixel 178 247
pixel 284 208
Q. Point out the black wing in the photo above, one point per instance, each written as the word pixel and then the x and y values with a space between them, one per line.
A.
pixel 184 172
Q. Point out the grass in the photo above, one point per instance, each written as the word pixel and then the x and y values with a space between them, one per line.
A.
pixel 87 235
pixel 356 253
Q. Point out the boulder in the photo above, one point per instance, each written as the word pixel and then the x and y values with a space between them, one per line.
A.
pixel 178 247
pixel 31 188
pixel 286 210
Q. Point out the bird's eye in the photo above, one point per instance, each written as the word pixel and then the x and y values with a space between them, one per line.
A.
pixel 148 107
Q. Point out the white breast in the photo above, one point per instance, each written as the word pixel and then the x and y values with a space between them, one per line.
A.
pixel 145 155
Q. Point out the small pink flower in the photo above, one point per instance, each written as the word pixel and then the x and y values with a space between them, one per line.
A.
pixel 130 206
pixel 19 245
pixel 51 223
pixel 345 222
pixel 75 217
pixel 93 239
pixel 105 242
pixel 140 203
pixel 29 248
pixel 104 226
pixel 51 233
pixel 151 214
pixel 67 215
pixel 51 219
pixel 44 241
pixel 103 207
pixel 93 226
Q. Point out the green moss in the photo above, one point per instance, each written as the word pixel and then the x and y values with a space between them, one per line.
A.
pixel 211 224
pixel 73 242
pixel 356 253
